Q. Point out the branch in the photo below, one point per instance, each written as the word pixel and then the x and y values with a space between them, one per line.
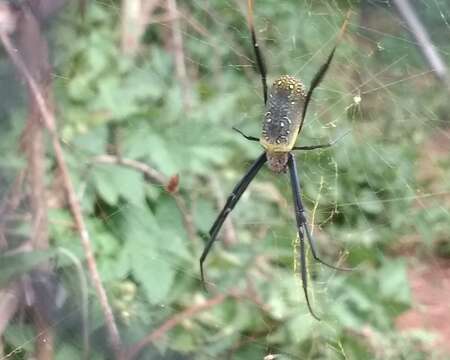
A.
pixel 150 174
pixel 424 42
pixel 135 16
pixel 190 312
pixel 177 45
pixel 155 177
pixel 49 121
pixel 33 49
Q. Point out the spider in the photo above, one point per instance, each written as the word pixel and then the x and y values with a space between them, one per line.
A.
pixel 286 103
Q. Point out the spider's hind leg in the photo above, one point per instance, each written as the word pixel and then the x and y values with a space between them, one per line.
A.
pixel 299 217
pixel 231 202
pixel 303 229
pixel 314 251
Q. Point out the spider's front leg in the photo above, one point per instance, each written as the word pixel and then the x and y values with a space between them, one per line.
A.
pixel 320 146
pixel 251 138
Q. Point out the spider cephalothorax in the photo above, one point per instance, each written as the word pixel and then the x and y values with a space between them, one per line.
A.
pixel 277 161
pixel 286 108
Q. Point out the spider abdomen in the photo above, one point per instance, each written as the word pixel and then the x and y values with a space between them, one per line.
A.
pixel 283 114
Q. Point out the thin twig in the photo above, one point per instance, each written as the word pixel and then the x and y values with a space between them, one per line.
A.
pixel 49 121
pixel 44 349
pixel 177 45
pixel 150 174
pixel 135 16
pixel 252 295
pixel 190 312
pixel 156 177
pixel 418 30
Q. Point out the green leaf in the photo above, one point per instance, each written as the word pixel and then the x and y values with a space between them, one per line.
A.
pixel 94 141
pixel 67 351
pixel 301 326
pixel 154 273
pixel 150 261
pixel 116 268
pixel 369 202
pixel 105 185
pixel 393 280
pixel 131 185
pixel 204 214
pixel 169 219
pixel 114 181
pixel 345 315
pixel 19 337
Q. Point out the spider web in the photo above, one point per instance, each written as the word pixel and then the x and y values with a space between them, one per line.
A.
pixel 377 200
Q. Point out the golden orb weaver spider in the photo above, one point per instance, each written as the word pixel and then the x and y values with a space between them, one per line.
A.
pixel 286 106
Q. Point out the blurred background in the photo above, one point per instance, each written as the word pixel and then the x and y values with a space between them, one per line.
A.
pixel 118 153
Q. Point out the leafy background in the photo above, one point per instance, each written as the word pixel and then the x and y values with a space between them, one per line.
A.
pixel 378 199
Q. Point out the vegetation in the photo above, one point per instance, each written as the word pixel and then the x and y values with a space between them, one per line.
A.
pixel 371 198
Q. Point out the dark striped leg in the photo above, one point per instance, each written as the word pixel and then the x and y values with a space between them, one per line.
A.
pixel 301 223
pixel 321 146
pixel 251 138
pixel 302 229
pixel 232 200
pixel 258 55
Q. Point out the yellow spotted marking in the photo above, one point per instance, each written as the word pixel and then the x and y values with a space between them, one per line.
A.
pixel 287 82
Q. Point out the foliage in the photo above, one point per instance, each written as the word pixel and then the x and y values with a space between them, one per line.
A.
pixel 361 194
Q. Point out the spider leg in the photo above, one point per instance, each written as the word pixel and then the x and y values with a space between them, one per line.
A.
pixel 312 147
pixel 232 200
pixel 321 146
pixel 300 218
pixel 314 251
pixel 318 77
pixel 251 138
pixel 258 55
pixel 301 221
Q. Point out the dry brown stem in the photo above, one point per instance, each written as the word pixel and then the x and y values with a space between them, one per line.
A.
pixel 32 47
pixel 47 117
pixel 177 47
pixel 44 338
pixel 135 16
pixel 190 312
pixel 172 322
